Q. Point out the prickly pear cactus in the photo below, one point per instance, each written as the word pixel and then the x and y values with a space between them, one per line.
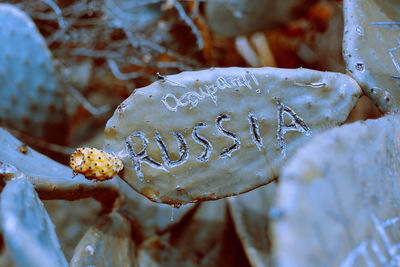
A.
pixel 108 243
pixel 219 132
pixel 148 217
pixel 371 49
pixel 236 17
pixel 206 227
pixel 251 216
pixel 210 235
pixel 135 14
pixel 53 180
pixel 202 135
pixel 28 230
pixel 342 210
pixel 31 95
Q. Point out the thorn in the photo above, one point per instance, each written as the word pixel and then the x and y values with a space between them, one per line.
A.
pixel 160 77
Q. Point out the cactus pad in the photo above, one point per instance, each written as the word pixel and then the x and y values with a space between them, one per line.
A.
pixel 32 98
pixel 371 49
pixel 250 214
pixel 108 243
pixel 339 198
pixel 213 133
pixel 237 17
pixel 132 14
pixel 28 230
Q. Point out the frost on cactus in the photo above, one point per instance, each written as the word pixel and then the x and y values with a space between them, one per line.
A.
pixel 31 95
pixel 213 133
pixel 342 210
pixel 371 49
pixel 251 216
pixel 28 230
pixel 108 243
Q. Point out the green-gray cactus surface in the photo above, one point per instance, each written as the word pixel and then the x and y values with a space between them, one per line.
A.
pixel 27 228
pixel 321 192
pixel 32 96
pixel 219 132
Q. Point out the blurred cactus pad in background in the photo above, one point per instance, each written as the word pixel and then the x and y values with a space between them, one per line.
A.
pixel 200 133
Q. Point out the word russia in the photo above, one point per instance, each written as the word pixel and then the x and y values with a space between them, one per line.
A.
pixel 140 157
pixel 214 133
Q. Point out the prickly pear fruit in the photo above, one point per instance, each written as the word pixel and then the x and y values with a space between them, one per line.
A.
pixel 95 164
pixel 219 132
pixel 51 179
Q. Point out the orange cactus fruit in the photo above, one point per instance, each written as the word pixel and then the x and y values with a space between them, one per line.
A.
pixel 95 164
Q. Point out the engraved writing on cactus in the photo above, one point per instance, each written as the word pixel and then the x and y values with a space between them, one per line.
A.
pixel 183 150
pixel 392 25
pixel 172 102
pixel 297 124
pixel 141 156
pixel 393 58
pixel 388 257
pixel 227 152
pixel 254 130
pixel 315 85
pixel 137 158
pixel 205 156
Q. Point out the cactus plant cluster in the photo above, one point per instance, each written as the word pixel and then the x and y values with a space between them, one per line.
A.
pixel 215 167
pixel 31 92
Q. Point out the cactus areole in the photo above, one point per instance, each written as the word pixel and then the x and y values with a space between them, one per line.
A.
pixel 214 133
